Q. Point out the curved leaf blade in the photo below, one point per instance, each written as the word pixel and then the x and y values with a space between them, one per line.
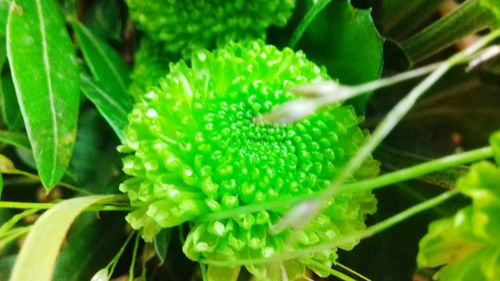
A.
pixel 109 70
pixel 45 75
pixel 37 258
pixel 111 105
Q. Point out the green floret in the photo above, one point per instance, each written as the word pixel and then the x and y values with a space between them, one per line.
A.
pixel 194 150
pixel 150 64
pixel 188 25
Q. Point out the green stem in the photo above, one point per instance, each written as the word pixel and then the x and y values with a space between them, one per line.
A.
pixel 62 184
pixel 469 18
pixel 306 21
pixel 398 112
pixel 420 170
pixel 365 185
pixel 368 232
pixel 112 264
pixel 44 206
pixel 134 258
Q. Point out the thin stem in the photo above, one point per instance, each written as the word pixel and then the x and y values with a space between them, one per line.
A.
pixel 420 170
pixel 397 114
pixel 62 184
pixel 112 264
pixel 329 94
pixel 306 21
pixel 351 271
pixel 368 232
pixel 134 258
pixel 365 185
pixel 44 206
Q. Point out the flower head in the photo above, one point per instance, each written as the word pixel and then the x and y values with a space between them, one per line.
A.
pixel 188 25
pixel 195 150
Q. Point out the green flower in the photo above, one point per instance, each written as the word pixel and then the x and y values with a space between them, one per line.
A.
pixel 188 25
pixel 195 150
pixel 467 245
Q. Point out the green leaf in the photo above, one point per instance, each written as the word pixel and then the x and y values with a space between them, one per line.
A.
pixel 45 73
pixel 399 18
pixel 113 106
pixel 493 6
pixel 345 40
pixel 306 21
pixel 15 139
pixel 109 70
pixel 4 11
pixel 91 244
pixel 37 257
pixel 11 112
pixel 103 18
pixel 161 243
pixel 1 185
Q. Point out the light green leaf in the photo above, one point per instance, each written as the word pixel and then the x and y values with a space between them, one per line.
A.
pixel 113 106
pixel 494 6
pixel 37 257
pixel 15 139
pixel 103 18
pixel 45 75
pixel 109 70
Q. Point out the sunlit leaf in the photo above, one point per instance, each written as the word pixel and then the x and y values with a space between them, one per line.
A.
pixel 37 258
pixel 45 73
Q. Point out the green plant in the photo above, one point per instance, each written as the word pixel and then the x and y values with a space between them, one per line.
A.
pixel 252 159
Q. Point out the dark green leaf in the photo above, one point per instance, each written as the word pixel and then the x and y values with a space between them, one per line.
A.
pixel 345 40
pixel 161 243
pixel 108 69
pixel 11 112
pixel 399 18
pixel 306 21
pixel 91 245
pixel 15 139
pixel 113 106
pixel 45 75
pixel 103 18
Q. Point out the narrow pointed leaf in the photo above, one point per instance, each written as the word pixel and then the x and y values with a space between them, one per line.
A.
pixel 37 258
pixel 114 107
pixel 109 70
pixel 45 75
